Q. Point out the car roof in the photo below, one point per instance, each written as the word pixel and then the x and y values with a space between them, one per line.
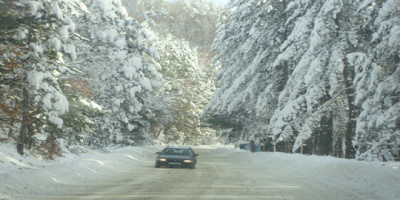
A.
pixel 168 147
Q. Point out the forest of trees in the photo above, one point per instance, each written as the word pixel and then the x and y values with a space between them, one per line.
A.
pixel 314 77
pixel 185 30
pixel 83 72
pixel 318 77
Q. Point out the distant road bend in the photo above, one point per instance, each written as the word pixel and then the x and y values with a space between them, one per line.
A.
pixel 215 177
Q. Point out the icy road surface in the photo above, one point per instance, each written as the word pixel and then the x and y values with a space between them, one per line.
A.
pixel 215 177
pixel 219 174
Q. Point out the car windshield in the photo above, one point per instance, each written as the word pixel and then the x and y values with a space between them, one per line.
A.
pixel 171 151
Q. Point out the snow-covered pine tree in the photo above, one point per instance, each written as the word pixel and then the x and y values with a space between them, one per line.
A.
pixel 186 84
pixel 192 21
pixel 247 45
pixel 87 57
pixel 184 63
pixel 335 59
pixel 306 103
pixel 117 60
pixel 377 76
pixel 31 53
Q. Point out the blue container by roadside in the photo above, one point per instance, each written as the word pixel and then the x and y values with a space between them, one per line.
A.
pixel 245 146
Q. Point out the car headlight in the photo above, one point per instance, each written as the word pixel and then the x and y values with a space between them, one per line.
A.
pixel 188 161
pixel 162 159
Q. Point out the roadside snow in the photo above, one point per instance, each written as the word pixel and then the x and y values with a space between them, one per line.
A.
pixel 24 176
pixel 365 178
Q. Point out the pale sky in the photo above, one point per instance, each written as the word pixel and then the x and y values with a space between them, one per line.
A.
pixel 221 2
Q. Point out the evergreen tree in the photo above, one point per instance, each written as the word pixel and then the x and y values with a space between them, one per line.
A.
pixel 377 82
pixel 29 31
pixel 325 64
pixel 184 32
pixel 86 57
pixel 118 63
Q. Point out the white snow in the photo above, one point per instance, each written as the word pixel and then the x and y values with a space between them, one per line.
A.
pixel 56 120
pixel 364 4
pixel 130 72
pixel 394 39
pixel 120 43
pixel 131 67
pixel 146 83
pixel 25 176
pixel 57 11
pixel 64 33
pixel 22 34
pixel 154 53
pixel 70 49
pixel 60 103
pixel 134 90
pixel 362 177
pixel 107 35
pixel 71 169
pixel 131 127
pixel 120 55
pixel 53 101
pixel 55 43
pixel 110 8
pixel 34 6
pixel 37 49
pixel 91 104
pixel 70 23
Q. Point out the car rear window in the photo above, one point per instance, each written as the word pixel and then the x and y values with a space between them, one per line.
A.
pixel 171 151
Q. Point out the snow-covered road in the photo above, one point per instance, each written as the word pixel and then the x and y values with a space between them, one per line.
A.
pixel 129 173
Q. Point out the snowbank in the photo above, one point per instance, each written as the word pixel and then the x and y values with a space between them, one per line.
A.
pixel 365 178
pixel 23 177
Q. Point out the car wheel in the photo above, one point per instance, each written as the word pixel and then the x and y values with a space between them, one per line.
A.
pixel 157 166
pixel 192 166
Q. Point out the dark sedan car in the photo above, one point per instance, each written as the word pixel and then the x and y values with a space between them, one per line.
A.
pixel 177 156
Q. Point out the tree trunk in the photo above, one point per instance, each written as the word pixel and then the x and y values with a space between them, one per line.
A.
pixel 326 135
pixel 338 151
pixel 10 132
pixel 252 146
pixel 326 126
pixel 348 75
pixel 25 121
